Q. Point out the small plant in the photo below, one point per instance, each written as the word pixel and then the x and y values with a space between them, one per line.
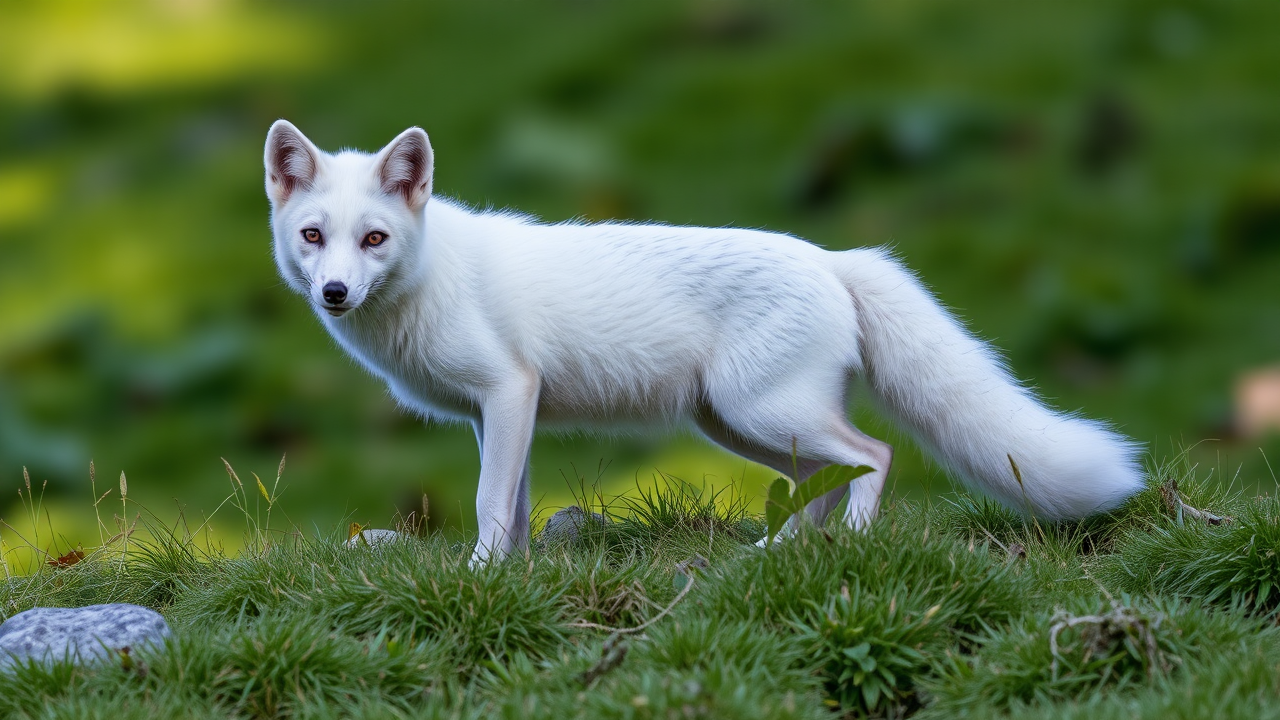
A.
pixel 872 647
pixel 787 499
pixel 676 504
pixel 1236 564
pixel 258 529
pixel 1079 654
pixel 1125 641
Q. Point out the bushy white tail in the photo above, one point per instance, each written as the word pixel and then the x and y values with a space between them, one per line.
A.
pixel 955 396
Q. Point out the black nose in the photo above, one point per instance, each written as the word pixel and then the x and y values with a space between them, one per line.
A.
pixel 334 292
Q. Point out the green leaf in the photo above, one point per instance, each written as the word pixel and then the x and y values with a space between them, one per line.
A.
pixel 826 480
pixel 780 492
pixel 778 507
pixel 912 654
pixel 786 499
pixel 858 652
pixel 871 694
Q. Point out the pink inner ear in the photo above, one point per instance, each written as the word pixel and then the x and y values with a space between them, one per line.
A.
pixel 404 172
pixel 293 163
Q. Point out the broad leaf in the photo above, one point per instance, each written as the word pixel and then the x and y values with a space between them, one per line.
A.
pixel 786 499
pixel 778 507
pixel 858 651
pixel 826 480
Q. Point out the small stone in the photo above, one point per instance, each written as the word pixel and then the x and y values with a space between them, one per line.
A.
pixel 565 524
pixel 375 537
pixel 81 635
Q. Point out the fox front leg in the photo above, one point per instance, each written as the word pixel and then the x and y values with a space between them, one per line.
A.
pixel 505 434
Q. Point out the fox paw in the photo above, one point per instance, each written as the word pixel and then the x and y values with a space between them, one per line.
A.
pixel 784 534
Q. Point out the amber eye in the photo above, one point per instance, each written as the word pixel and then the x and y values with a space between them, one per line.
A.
pixel 311 235
pixel 374 238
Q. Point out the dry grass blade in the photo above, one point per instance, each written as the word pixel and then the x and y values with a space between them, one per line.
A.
pixel 1179 508
pixel 682 569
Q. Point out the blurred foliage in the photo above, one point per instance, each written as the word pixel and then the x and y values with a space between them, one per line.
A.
pixel 1094 185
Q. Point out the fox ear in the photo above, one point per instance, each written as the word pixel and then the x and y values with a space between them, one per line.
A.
pixel 292 161
pixel 405 165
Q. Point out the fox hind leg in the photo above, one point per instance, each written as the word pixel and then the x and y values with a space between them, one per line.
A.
pixel 765 429
pixel 865 491
pixel 817 511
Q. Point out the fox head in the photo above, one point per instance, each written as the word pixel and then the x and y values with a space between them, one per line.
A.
pixel 347 227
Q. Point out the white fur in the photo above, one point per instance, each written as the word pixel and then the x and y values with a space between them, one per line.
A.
pixel 500 321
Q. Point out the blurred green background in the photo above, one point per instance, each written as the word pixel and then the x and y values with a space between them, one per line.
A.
pixel 1093 185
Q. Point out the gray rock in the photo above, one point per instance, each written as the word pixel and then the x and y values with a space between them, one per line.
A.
pixel 375 537
pixel 565 525
pixel 81 635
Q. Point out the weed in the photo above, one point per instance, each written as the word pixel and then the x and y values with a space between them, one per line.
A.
pixel 1072 654
pixel 872 647
pixel 1232 564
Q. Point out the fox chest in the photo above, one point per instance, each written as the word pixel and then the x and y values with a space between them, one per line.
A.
pixel 436 381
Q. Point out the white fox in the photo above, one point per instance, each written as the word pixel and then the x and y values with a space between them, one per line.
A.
pixel 753 337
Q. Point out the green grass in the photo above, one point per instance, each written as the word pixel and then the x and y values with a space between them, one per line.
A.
pixel 940 610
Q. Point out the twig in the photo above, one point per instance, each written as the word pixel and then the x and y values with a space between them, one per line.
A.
pixel 1107 628
pixel 627 631
pixel 1065 624
pixel 1204 516
pixel 1013 551
pixel 611 656
pixel 1174 502
pixel 993 539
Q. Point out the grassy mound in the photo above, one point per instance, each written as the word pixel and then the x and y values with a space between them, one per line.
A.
pixel 1165 608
